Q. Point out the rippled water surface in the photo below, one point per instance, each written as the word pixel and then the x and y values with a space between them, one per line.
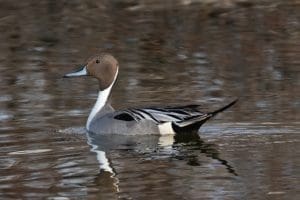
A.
pixel 176 52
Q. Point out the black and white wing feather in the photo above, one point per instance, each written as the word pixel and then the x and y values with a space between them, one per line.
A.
pixel 160 115
pixel 168 114
pixel 182 118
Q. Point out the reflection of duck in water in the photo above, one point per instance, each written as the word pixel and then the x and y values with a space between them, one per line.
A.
pixel 187 147
pixel 194 143
pixel 103 119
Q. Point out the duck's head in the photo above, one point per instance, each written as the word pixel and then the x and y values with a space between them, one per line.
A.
pixel 104 67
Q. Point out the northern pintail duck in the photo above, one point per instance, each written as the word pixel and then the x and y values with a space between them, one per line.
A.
pixel 103 119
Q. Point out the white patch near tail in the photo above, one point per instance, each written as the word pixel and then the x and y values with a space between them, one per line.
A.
pixel 166 128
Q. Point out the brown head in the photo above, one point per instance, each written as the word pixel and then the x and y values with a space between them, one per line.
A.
pixel 104 67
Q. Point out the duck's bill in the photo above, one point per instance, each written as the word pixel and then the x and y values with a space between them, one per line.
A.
pixel 80 72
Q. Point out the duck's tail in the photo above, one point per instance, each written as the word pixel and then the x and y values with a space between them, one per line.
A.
pixel 223 108
pixel 194 123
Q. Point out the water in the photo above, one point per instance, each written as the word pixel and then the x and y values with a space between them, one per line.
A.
pixel 186 52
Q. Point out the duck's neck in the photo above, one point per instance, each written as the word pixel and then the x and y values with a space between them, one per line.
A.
pixel 100 103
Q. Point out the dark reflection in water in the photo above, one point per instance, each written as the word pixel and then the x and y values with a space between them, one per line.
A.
pixel 170 52
pixel 132 152
pixel 182 147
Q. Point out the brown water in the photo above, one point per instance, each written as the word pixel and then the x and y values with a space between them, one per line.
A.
pixel 180 53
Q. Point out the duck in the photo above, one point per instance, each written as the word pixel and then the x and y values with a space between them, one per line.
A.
pixel 104 119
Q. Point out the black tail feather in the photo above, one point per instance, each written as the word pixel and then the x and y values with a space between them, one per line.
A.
pixel 223 108
pixel 194 123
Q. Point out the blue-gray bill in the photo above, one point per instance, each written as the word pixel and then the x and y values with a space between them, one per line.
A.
pixel 80 72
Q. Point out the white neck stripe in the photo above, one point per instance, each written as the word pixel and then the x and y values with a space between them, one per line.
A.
pixel 100 103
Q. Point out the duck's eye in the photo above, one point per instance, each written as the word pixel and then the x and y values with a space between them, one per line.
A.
pixel 97 61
